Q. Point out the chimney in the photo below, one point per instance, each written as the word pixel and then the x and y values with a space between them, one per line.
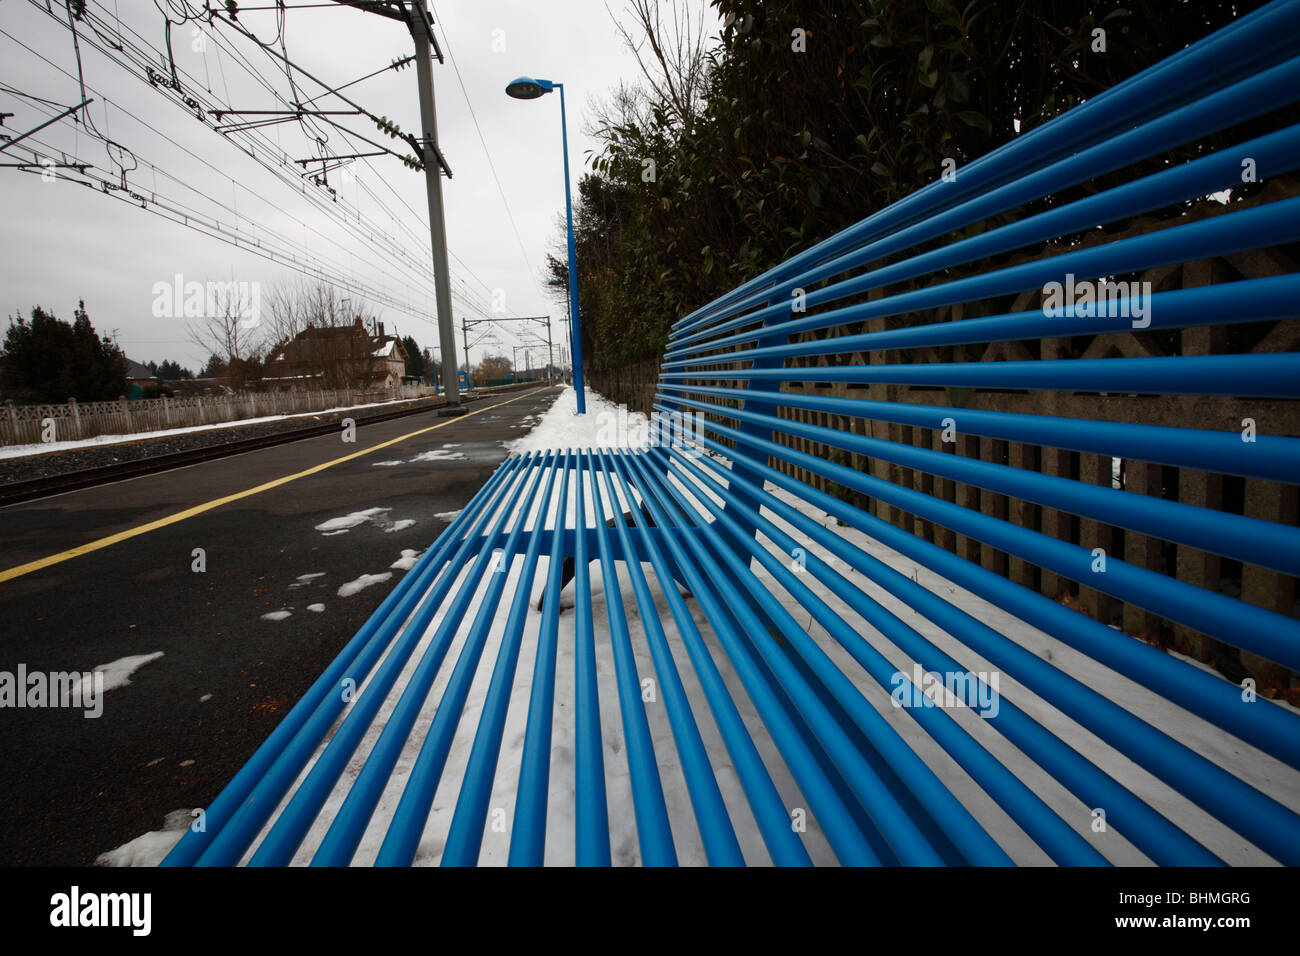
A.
pixel 381 330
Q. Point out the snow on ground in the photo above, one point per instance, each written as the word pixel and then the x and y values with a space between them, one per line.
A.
pixel 40 448
pixel 279 615
pixel 150 848
pixel 375 516
pixel 350 521
pixel 448 515
pixel 605 425
pixel 439 454
pixel 363 582
pixel 560 429
pixel 407 560
pixel 316 608
pixel 118 673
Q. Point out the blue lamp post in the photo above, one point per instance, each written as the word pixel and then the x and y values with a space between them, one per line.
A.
pixel 526 88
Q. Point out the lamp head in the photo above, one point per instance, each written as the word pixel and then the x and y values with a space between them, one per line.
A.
pixel 526 88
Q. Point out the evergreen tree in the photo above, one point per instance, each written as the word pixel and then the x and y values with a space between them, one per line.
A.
pixel 170 371
pixel 49 360
pixel 416 364
pixel 814 114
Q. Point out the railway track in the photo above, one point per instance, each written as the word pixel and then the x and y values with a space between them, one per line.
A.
pixel 29 490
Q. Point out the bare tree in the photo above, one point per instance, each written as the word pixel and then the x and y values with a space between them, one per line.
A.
pixel 670 46
pixel 291 307
pixel 492 368
pixel 228 326
pixel 282 317
pixel 319 336
pixel 627 105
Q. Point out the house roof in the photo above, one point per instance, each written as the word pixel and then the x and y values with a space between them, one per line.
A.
pixel 134 370
pixel 358 343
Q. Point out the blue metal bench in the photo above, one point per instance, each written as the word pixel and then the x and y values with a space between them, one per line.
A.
pixel 774 642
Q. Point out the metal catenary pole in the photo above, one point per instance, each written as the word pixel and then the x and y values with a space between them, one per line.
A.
pixel 416 16
pixel 550 353
pixel 421 31
pixel 464 331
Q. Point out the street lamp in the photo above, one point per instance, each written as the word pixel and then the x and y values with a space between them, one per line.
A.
pixel 526 88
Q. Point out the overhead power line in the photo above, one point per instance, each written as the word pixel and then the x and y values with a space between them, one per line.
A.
pixel 387 255
pixel 486 152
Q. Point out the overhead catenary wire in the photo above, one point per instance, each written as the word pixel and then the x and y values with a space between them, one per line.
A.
pixel 278 249
pixel 283 58
pixel 142 64
pixel 203 161
pixel 483 142
pixel 123 45
pixel 282 159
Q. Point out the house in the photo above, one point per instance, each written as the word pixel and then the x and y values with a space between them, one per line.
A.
pixel 138 378
pixel 391 356
pixel 345 356
pixel 138 374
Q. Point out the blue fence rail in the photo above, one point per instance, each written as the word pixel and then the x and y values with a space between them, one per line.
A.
pixel 740 676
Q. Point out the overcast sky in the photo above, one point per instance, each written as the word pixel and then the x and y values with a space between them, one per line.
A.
pixel 63 241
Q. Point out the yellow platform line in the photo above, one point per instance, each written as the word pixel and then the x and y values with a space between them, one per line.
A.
pixel 29 567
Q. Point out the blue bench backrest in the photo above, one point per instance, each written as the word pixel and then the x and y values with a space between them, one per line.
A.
pixel 845 377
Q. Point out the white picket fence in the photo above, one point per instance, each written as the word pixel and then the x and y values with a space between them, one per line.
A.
pixel 32 424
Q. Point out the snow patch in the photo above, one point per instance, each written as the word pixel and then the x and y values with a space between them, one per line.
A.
pixel 277 615
pixel 401 525
pixel 605 425
pixel 118 673
pixel 439 454
pixel 317 608
pixel 150 848
pixel 363 582
pixel 348 522
pixel 407 560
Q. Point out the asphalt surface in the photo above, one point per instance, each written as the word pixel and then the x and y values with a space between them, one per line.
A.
pixel 72 787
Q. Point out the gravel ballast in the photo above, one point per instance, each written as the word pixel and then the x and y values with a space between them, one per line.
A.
pixel 50 464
